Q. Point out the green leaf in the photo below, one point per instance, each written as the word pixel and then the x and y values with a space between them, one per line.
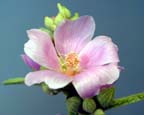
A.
pixel 12 81
pixel 73 104
pixel 89 105
pixel 106 96
pixel 99 112
pixel 126 100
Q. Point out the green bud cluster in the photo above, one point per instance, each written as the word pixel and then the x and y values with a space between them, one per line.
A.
pixel 91 106
pixel 50 23
pixel 78 106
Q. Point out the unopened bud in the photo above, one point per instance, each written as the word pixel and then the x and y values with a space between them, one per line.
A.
pixel 99 112
pixel 89 105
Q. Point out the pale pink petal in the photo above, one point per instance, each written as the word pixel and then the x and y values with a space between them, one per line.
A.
pixel 53 79
pixel 72 36
pixel 40 49
pixel 89 82
pixel 108 74
pixel 99 51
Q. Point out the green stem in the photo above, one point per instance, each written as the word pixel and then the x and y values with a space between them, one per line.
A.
pixel 126 100
pixel 14 81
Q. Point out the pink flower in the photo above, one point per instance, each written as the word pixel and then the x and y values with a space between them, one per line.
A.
pixel 75 58
pixel 30 62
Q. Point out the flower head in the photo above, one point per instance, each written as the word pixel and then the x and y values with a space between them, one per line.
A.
pixel 73 58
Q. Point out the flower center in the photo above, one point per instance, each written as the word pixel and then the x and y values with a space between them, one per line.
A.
pixel 70 64
pixel 72 60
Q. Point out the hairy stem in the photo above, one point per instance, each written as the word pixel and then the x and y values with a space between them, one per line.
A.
pixel 126 100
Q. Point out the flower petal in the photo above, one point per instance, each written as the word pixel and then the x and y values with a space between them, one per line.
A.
pixel 89 82
pixel 99 51
pixel 86 83
pixel 40 49
pixel 108 74
pixel 53 79
pixel 72 36
pixel 30 62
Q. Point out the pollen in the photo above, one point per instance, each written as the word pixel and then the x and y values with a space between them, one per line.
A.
pixel 72 60
pixel 70 64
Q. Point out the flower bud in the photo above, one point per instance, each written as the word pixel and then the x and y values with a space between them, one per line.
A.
pixel 49 23
pixel 58 19
pixel 65 12
pixel 99 112
pixel 73 104
pixel 75 17
pixel 89 105
pixel 106 96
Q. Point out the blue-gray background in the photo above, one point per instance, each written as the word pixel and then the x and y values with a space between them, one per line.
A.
pixel 123 20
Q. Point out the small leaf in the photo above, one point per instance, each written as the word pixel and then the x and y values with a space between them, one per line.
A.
pixel 99 112
pixel 89 105
pixel 73 104
pixel 126 100
pixel 106 96
pixel 12 81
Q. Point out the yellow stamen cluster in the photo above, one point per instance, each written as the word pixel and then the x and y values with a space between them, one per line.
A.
pixel 72 60
pixel 70 64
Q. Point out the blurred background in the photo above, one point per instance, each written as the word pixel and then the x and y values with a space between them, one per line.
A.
pixel 123 20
